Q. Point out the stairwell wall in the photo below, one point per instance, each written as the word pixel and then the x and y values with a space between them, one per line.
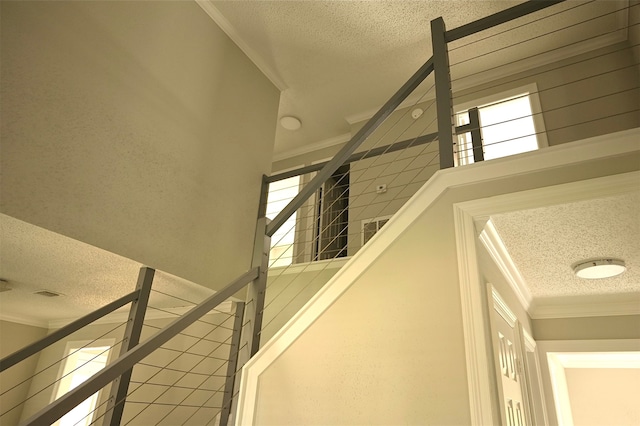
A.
pixel 134 126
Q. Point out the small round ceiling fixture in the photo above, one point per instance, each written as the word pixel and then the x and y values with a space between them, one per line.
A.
pixel 417 113
pixel 599 268
pixel 290 123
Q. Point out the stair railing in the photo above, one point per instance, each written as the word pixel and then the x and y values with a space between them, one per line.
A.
pixel 247 344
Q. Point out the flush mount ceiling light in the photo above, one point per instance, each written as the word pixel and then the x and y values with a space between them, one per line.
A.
pixel 599 268
pixel 290 123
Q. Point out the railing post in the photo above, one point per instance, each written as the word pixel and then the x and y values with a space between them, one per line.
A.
pixel 444 106
pixel 120 386
pixel 232 365
pixel 257 289
pixel 476 135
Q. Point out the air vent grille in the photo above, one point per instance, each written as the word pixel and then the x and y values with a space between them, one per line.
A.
pixel 47 293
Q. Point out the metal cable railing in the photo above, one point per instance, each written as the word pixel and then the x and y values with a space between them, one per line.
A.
pixel 59 362
pixel 296 273
pixel 329 227
pixel 190 352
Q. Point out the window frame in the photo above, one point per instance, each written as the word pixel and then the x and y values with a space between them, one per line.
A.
pixel 531 89
pixel 75 345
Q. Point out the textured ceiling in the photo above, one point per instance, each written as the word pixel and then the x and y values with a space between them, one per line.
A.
pixel 335 60
pixel 545 242
pixel 34 259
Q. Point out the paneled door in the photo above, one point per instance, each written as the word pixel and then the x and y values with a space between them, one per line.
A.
pixel 507 350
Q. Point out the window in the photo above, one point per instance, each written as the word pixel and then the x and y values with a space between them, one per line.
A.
pixel 80 364
pixel 511 123
pixel 332 216
pixel 280 194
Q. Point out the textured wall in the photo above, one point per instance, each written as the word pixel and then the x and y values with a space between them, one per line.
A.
pixel 137 127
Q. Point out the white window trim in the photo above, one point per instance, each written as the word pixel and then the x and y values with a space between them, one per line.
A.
pixel 76 345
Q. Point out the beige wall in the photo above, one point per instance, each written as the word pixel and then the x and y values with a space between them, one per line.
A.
pixel 289 291
pixel 137 127
pixel 14 336
pixel 634 31
pixel 390 350
pixel 42 390
pixel 604 396
pixel 588 328
pixel 568 115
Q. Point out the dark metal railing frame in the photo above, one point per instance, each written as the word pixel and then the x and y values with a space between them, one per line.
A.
pixel 256 276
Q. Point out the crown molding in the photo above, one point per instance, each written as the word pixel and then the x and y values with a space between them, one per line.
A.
pixel 326 143
pixel 231 32
pixel 19 319
pixel 502 308
pixel 496 248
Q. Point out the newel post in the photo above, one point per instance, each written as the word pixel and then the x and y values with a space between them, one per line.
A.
pixel 444 106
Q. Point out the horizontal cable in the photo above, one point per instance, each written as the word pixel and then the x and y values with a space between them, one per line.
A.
pixel 184 374
pixel 544 35
pixel 555 109
pixel 51 365
pixel 537 54
pixel 199 321
pixel 518 26
pixel 177 370
pixel 238 369
pixel 285 287
pixel 565 127
pixel 557 68
pixel 174 385
pixel 188 335
pixel 168 404
pixel 188 301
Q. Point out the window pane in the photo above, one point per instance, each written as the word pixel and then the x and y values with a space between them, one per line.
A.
pixel 280 194
pixel 507 128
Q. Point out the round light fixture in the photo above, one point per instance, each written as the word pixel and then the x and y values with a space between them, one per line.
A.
pixel 599 268
pixel 417 113
pixel 290 122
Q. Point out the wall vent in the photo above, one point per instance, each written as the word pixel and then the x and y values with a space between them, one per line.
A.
pixel 47 293
pixel 371 226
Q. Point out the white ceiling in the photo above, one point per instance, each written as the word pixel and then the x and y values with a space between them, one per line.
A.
pixel 545 242
pixel 336 62
pixel 86 277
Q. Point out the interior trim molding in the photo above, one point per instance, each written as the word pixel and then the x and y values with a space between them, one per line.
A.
pixel 500 255
pixel 232 33
pixel 23 320
pixel 326 143
pixel 502 308
pixel 610 145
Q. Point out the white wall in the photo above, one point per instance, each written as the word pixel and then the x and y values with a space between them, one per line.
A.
pixel 136 127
